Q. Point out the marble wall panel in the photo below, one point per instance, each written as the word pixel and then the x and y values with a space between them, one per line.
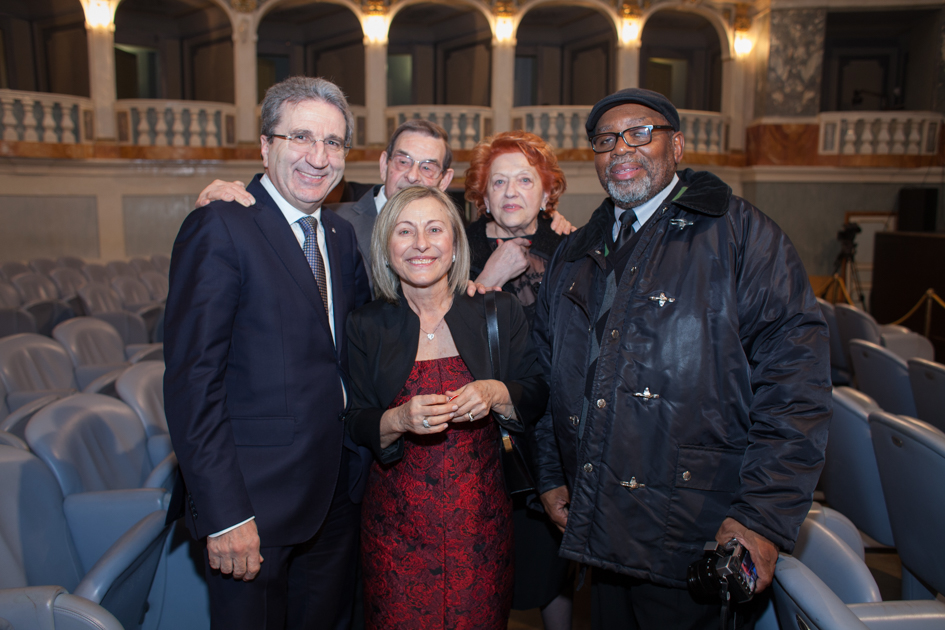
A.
pixel 792 80
pixel 152 222
pixel 48 227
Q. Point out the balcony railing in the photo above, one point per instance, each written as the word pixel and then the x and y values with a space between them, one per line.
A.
pixel 705 132
pixel 43 117
pixel 879 133
pixel 160 123
pixel 465 124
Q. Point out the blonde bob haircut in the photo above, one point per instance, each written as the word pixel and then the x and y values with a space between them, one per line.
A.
pixel 386 282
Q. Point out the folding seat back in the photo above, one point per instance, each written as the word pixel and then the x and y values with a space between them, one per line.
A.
pixel 883 376
pixel 156 284
pixel 825 553
pixel 68 281
pixel 34 287
pixel 850 478
pixel 96 273
pixel 9 296
pixel 43 265
pixel 141 387
pixel 72 262
pixel 12 269
pixel 840 371
pixel 36 546
pixel 117 268
pixel 32 366
pixel 132 291
pixel 911 458
pixel 140 265
pixel 16 320
pixel 94 347
pixel 928 389
pixel 91 443
pixel 130 326
pixel 100 298
pixel 162 263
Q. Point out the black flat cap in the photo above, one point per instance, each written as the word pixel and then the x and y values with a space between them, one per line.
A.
pixel 648 98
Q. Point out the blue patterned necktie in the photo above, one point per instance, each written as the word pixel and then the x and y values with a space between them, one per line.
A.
pixel 627 220
pixel 313 254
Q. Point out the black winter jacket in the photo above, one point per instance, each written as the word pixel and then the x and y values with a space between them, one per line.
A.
pixel 711 396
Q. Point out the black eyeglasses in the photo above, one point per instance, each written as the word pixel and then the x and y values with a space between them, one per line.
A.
pixel 302 142
pixel 634 137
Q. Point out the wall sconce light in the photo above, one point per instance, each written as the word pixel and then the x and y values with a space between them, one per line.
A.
pixel 375 29
pixel 504 28
pixel 743 43
pixel 100 14
pixel 630 24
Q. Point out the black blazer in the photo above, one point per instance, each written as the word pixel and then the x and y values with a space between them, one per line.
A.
pixel 382 348
pixel 252 387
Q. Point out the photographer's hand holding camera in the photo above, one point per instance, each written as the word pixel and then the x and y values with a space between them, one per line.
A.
pixel 764 553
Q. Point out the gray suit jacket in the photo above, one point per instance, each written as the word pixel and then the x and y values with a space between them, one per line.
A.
pixel 361 214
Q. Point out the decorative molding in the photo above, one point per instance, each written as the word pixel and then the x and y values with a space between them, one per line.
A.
pixel 244 6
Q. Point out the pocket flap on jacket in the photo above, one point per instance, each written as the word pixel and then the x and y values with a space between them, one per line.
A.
pixel 706 468
pixel 263 431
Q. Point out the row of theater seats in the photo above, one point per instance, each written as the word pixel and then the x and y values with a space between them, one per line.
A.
pixel 36 298
pixel 891 364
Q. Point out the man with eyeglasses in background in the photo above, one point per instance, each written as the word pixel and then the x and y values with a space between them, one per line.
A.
pixel 255 353
pixel 689 368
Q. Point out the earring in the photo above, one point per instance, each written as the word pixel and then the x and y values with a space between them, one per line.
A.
pixel 542 209
pixel 454 257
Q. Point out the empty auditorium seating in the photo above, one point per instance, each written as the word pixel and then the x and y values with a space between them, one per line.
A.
pixel 41 299
pixel 16 320
pixel 9 296
pixel 140 265
pixel 70 261
pixel 162 263
pixel 141 387
pixel 52 608
pixel 928 389
pixel 42 265
pixel 839 369
pixel 12 269
pixel 852 323
pixel 156 284
pixel 68 281
pixel 883 376
pixel 96 273
pixel 118 268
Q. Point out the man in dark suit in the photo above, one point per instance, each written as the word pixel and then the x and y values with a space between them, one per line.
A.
pixel 254 387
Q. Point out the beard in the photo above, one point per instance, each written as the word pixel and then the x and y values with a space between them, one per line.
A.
pixel 630 194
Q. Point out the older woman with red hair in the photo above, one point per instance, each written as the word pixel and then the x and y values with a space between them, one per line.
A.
pixel 515 182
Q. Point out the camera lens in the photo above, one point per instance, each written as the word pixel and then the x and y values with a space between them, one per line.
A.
pixel 703 582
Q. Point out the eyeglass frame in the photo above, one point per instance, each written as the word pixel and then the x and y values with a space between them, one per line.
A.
pixel 344 148
pixel 393 161
pixel 621 135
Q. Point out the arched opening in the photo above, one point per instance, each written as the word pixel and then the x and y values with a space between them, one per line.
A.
pixel 301 37
pixel 564 56
pixel 43 47
pixel 173 49
pixel 681 58
pixel 439 54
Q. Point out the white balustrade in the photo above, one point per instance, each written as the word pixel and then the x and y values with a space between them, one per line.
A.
pixel 705 132
pixel 465 124
pixel 880 133
pixel 61 117
pixel 192 123
pixel 562 126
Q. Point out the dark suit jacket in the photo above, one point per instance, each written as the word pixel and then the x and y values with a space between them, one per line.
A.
pixel 382 348
pixel 252 387
pixel 362 214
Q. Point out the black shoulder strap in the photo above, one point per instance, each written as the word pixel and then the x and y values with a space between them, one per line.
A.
pixel 492 328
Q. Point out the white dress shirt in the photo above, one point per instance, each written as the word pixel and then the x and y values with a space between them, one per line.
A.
pixel 292 215
pixel 645 210
pixel 380 199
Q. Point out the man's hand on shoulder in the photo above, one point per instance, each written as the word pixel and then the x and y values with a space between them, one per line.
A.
pixel 764 553
pixel 236 552
pixel 226 191
pixel 556 502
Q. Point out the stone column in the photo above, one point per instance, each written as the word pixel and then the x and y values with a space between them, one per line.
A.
pixel 375 91
pixel 244 79
pixel 628 65
pixel 102 79
pixel 734 70
pixel 503 84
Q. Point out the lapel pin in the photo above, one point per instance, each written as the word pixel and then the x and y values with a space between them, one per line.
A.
pixel 333 231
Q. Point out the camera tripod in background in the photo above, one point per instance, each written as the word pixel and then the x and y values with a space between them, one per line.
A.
pixel 846 259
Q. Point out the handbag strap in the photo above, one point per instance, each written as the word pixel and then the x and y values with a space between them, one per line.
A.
pixel 492 329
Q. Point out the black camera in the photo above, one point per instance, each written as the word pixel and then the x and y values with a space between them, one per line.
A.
pixel 724 573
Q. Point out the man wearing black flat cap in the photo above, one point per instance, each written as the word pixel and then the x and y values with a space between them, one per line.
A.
pixel 689 368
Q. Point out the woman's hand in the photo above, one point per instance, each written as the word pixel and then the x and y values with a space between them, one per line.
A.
pixel 509 260
pixel 475 400
pixel 422 415
pixel 227 191
pixel 560 225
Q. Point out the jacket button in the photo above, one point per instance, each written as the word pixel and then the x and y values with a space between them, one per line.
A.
pixel 601 403
pixel 574 420
pixel 615 333
pixel 588 467
pixel 686 476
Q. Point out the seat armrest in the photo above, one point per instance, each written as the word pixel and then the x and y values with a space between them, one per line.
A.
pixel 52 608
pixel 15 423
pixel 908 345
pixel 920 614
pixel 8 439
pixel 125 554
pixel 163 474
pixel 98 519
pixel 105 384
pixel 15 400
pixel 151 352
pixel 85 375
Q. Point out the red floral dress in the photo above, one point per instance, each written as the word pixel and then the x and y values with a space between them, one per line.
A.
pixel 436 533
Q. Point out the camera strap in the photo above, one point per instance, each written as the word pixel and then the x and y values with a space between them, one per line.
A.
pixel 726 606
